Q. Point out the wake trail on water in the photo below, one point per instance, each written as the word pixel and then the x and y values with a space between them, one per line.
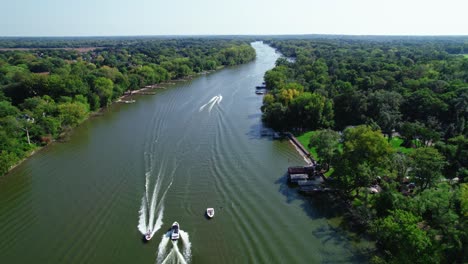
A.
pixel 142 227
pixel 174 255
pixel 163 247
pixel 213 101
pixel 152 204
pixel 187 245
pixel 212 104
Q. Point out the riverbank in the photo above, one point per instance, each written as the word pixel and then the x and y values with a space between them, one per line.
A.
pixel 300 149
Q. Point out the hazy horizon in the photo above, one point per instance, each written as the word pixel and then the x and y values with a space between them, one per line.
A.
pixel 223 35
pixel 112 18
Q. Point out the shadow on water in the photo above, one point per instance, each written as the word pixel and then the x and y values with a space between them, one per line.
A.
pixel 333 210
pixel 254 116
pixel 258 131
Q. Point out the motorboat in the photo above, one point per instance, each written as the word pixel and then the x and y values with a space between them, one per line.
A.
pixel 175 231
pixel 259 92
pixel 210 212
pixel 148 235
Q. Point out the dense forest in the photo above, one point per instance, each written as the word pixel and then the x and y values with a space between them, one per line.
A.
pixel 49 85
pixel 359 95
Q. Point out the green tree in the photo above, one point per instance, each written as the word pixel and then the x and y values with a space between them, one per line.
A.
pixel 456 152
pixel 103 88
pixel 326 143
pixel 400 164
pixel 383 107
pixel 402 237
pixel 276 77
pixel 274 115
pixel 311 110
pixel 72 114
pixel 426 167
pixel 7 159
pixel 366 155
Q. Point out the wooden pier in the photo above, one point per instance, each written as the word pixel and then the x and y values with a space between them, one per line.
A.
pixel 309 180
pixel 300 173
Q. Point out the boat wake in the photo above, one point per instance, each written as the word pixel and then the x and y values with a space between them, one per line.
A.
pixel 169 252
pixel 152 203
pixel 216 100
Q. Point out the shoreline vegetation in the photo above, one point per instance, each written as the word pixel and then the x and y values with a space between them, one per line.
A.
pixel 48 87
pixel 388 117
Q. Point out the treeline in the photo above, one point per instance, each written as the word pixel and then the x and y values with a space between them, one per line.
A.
pixel 44 92
pixel 414 204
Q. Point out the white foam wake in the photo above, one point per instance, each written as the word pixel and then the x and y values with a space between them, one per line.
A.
pixel 152 206
pixel 213 101
pixel 174 255
pixel 159 221
pixel 184 236
pixel 163 247
pixel 212 104
pixel 143 215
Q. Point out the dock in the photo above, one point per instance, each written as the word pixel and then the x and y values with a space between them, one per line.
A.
pixel 301 170
pixel 295 178
pixel 314 181
pixel 298 174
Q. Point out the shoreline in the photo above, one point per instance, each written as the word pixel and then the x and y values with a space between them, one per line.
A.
pixel 300 149
pixel 30 154
pixel 162 85
pixel 98 112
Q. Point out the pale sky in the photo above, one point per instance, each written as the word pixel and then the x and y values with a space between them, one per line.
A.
pixel 234 17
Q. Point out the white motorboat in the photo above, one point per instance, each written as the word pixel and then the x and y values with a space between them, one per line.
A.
pixel 148 235
pixel 210 212
pixel 175 231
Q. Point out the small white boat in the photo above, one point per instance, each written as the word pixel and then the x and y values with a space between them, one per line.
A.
pixel 210 212
pixel 175 231
pixel 148 235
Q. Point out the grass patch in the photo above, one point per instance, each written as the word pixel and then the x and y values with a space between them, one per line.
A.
pixel 329 172
pixel 396 144
pixel 465 55
pixel 305 139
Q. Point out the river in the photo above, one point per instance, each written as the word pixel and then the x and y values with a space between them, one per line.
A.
pixel 167 158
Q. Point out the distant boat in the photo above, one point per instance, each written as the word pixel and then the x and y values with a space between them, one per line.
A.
pixel 210 212
pixel 148 235
pixel 259 92
pixel 175 231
